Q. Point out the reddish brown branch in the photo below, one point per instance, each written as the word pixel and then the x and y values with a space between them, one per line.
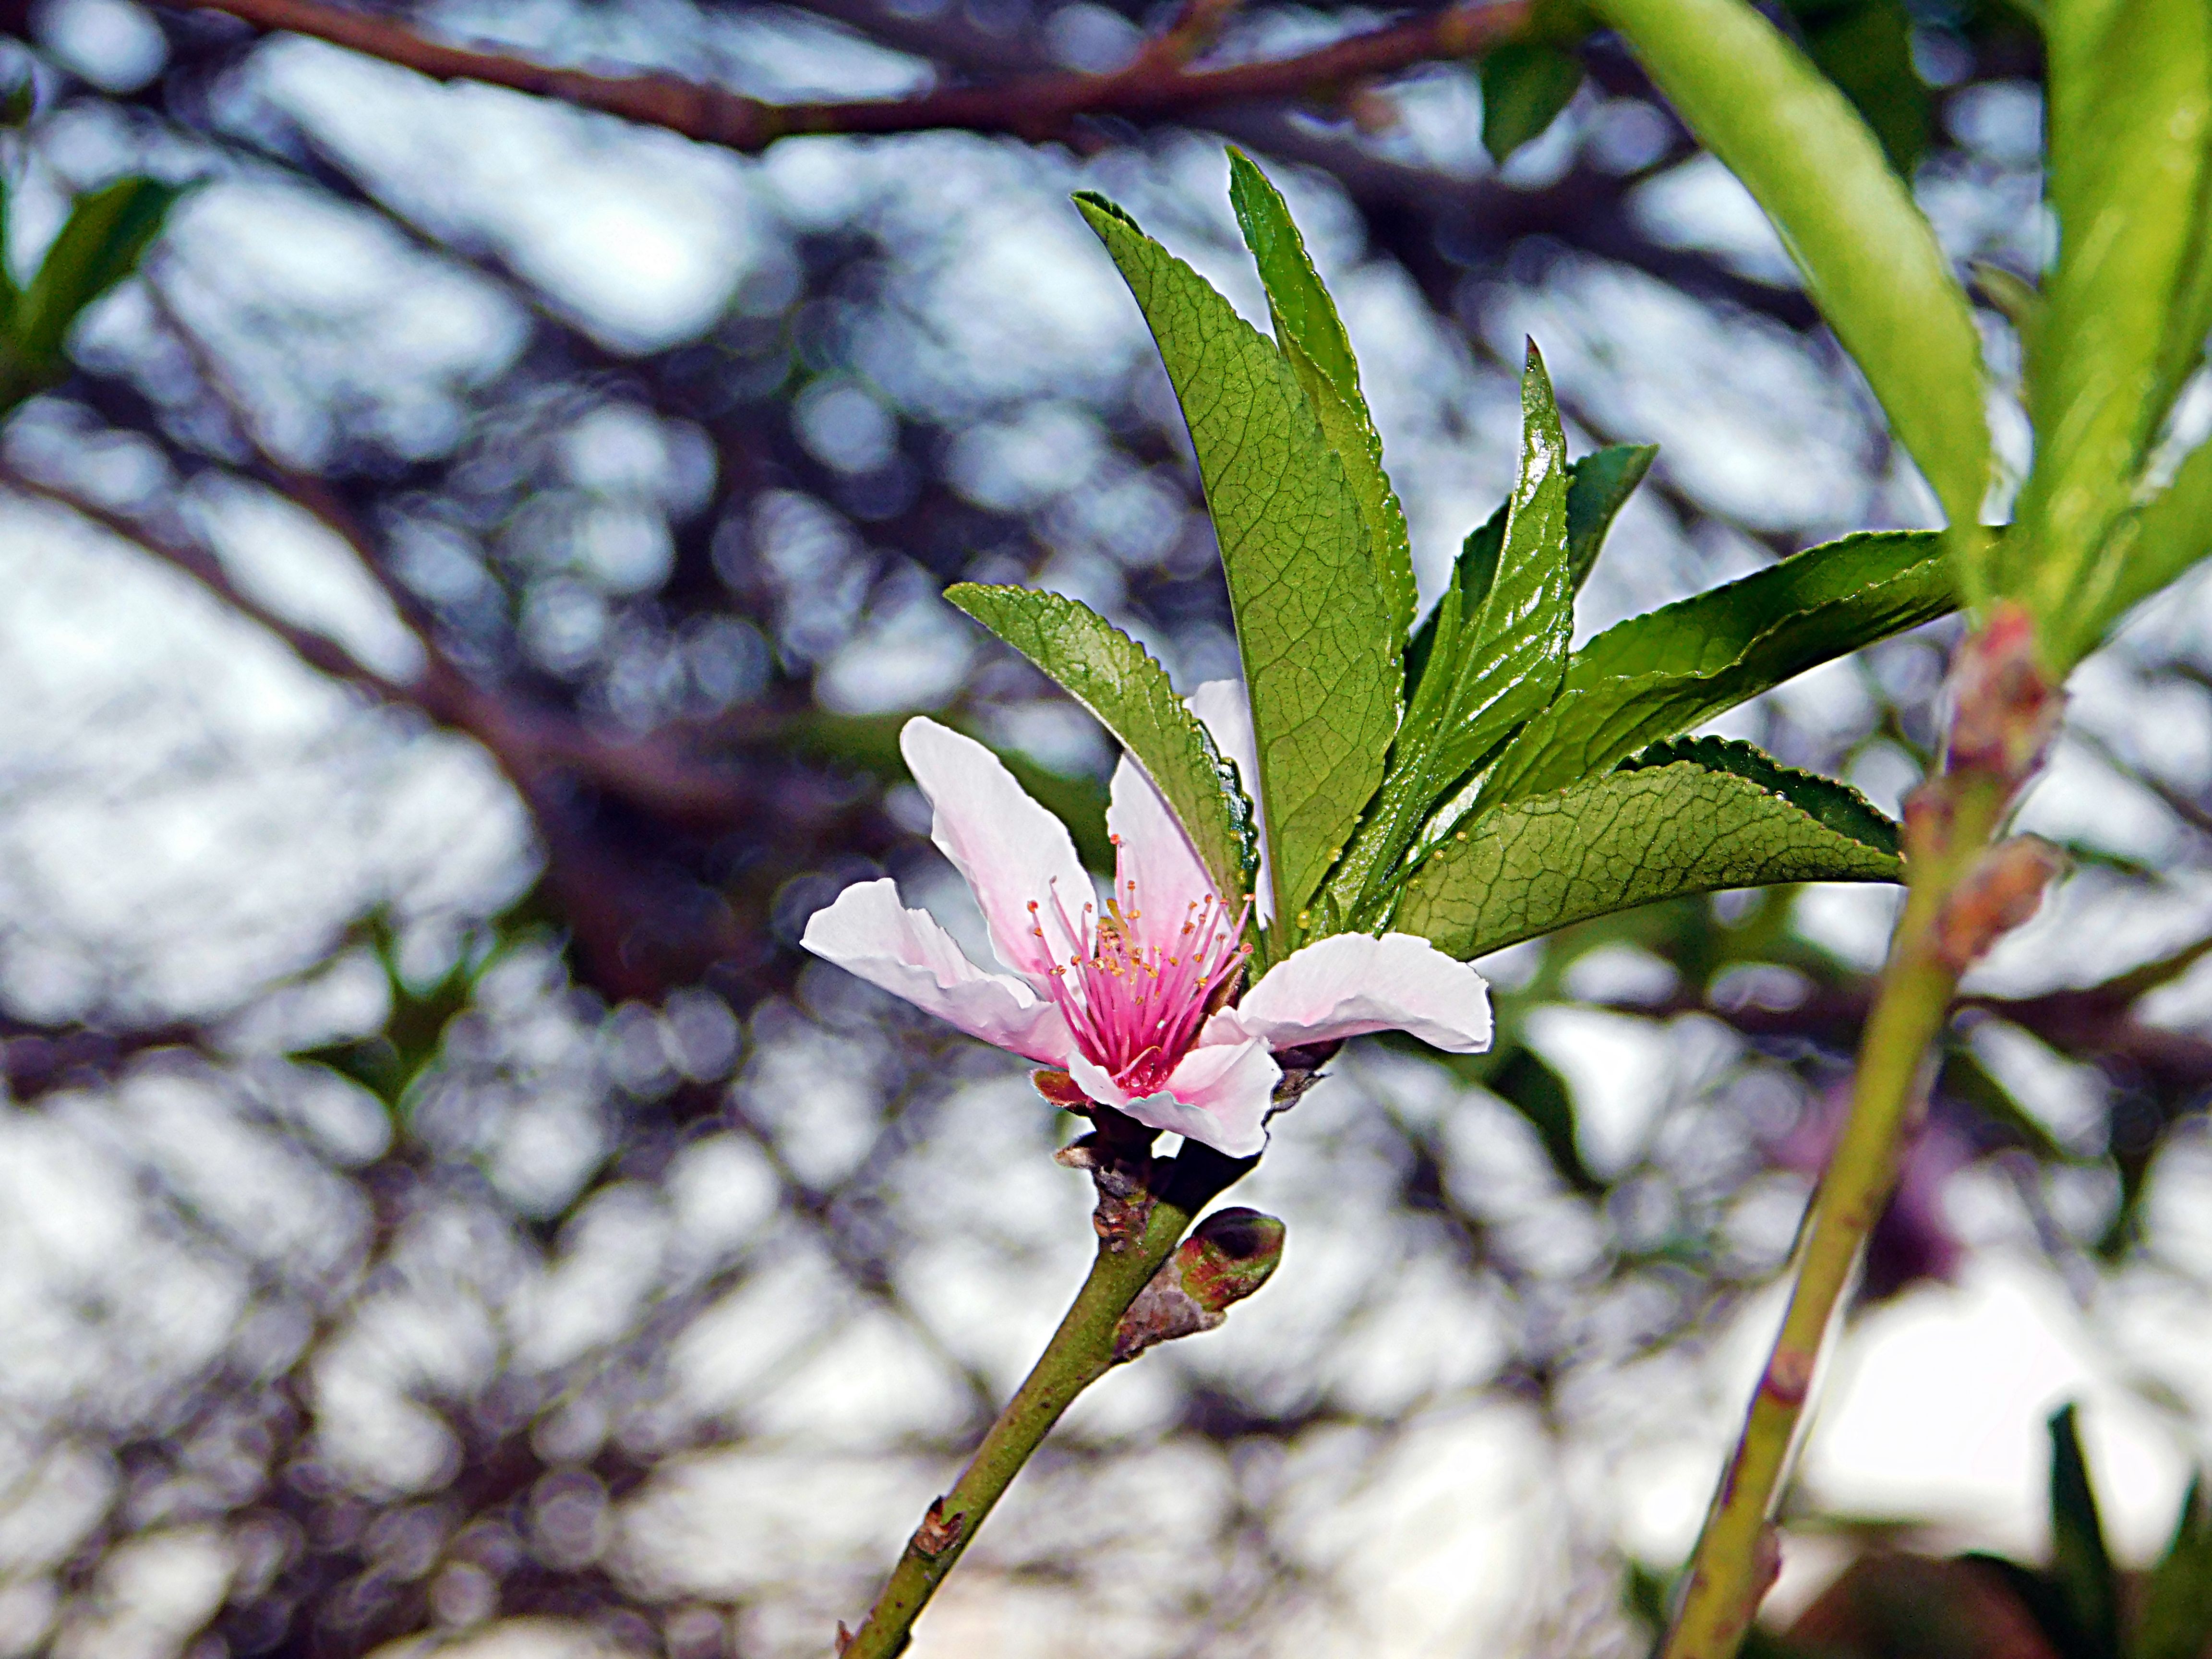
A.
pixel 1159 84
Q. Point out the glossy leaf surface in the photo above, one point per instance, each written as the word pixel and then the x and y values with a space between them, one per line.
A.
pixel 1689 818
pixel 1113 676
pixel 1315 628
pixel 1313 342
pixel 1492 656
pixel 1674 668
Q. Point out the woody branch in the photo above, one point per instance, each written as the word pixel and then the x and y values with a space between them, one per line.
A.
pixel 1158 85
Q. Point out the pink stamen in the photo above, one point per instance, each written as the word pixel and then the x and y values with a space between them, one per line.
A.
pixel 1134 1007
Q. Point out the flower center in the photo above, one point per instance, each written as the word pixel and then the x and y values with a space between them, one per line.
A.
pixel 1140 987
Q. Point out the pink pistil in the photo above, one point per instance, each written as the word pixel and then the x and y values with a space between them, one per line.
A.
pixel 1139 988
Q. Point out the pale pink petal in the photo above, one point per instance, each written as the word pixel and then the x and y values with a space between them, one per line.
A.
pixel 1171 883
pixel 1011 850
pixel 868 933
pixel 1219 1094
pixel 1224 708
pixel 1349 983
pixel 1095 1081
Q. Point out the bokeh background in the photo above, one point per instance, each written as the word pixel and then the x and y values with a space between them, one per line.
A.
pixel 454 624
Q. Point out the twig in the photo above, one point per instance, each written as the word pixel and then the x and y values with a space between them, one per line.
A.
pixel 1961 894
pixel 1080 1352
pixel 1157 85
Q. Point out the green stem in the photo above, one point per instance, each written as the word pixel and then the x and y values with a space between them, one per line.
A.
pixel 1080 1352
pixel 1733 1564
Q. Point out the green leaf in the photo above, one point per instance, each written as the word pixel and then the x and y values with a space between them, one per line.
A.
pixel 2190 317
pixel 1526 1081
pixel 1492 655
pixel 1320 657
pixel 1113 676
pixel 2160 541
pixel 1313 340
pixel 1511 651
pixel 1525 85
pixel 106 234
pixel 1870 262
pixel 2177 1614
pixel 1865 46
pixel 1837 806
pixel 1677 666
pixel 2131 107
pixel 2080 1566
pixel 1598 487
pixel 1691 817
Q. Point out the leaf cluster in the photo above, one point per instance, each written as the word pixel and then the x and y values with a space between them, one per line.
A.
pixel 1472 779
pixel 2112 335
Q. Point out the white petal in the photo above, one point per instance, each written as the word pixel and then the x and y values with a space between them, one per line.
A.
pixel 868 933
pixel 1218 1095
pixel 1011 850
pixel 1224 708
pixel 1095 1081
pixel 1155 855
pixel 1349 983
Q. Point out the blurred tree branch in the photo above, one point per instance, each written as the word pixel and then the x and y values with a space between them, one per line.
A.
pixel 544 751
pixel 2099 1023
pixel 36 1059
pixel 1158 85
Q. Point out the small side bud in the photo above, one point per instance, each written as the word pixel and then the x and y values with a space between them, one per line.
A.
pixel 1229 1256
pixel 2003 890
pixel 2004 709
pixel 938 1532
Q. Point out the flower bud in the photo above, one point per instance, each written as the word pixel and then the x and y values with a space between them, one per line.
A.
pixel 2004 709
pixel 1228 1256
pixel 2000 892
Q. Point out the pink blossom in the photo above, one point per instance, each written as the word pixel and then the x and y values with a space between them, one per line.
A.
pixel 1136 994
